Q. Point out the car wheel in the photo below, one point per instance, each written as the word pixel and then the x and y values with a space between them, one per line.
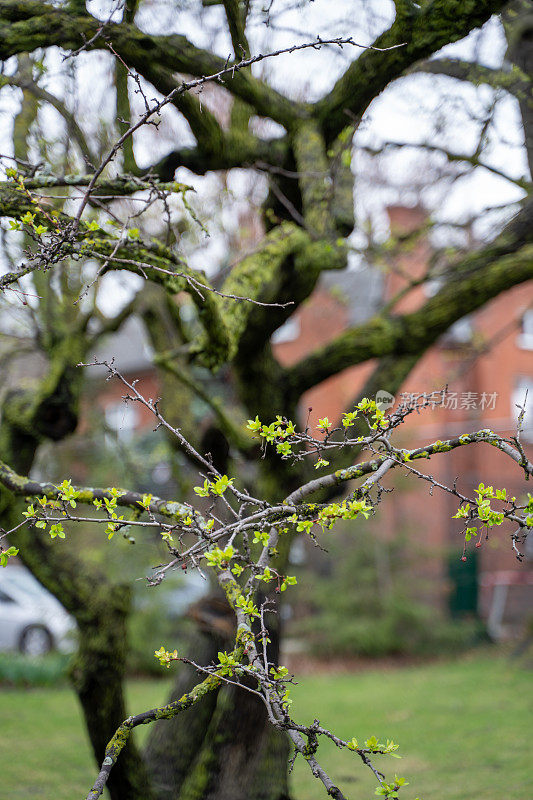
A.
pixel 35 641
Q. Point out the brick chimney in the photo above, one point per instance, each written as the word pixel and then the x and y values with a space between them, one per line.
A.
pixel 409 258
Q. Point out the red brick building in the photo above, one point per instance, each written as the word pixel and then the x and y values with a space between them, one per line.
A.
pixel 485 360
pixel 487 363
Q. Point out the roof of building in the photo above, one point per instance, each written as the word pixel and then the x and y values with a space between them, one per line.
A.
pixel 129 347
pixel 361 290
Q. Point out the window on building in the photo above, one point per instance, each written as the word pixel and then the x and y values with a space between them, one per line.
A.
pixel 458 334
pixel 433 286
pixel 122 418
pixel 161 473
pixel 523 395
pixel 525 337
pixel 288 332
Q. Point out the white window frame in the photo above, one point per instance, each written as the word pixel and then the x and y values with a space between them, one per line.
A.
pixel 524 339
pixel 288 332
pixel 517 399
pixel 122 418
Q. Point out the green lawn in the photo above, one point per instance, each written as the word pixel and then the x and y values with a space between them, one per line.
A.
pixel 463 728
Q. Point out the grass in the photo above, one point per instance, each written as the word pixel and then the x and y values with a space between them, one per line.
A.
pixel 463 729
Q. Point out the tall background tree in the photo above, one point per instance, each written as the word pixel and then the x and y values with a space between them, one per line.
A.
pixel 95 91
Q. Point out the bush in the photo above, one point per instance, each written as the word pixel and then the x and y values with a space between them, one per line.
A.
pixel 149 629
pixel 19 670
pixel 361 606
pixel 160 618
pixel 399 628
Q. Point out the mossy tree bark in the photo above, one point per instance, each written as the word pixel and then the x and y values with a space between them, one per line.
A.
pixel 224 747
pixel 99 608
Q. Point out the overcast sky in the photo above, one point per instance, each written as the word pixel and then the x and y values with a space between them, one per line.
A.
pixel 408 111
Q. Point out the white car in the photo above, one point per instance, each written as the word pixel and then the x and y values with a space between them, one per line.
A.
pixel 32 621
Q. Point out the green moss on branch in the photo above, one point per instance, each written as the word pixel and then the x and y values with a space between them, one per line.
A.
pixel 427 28
pixel 479 277
pixel 26 26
